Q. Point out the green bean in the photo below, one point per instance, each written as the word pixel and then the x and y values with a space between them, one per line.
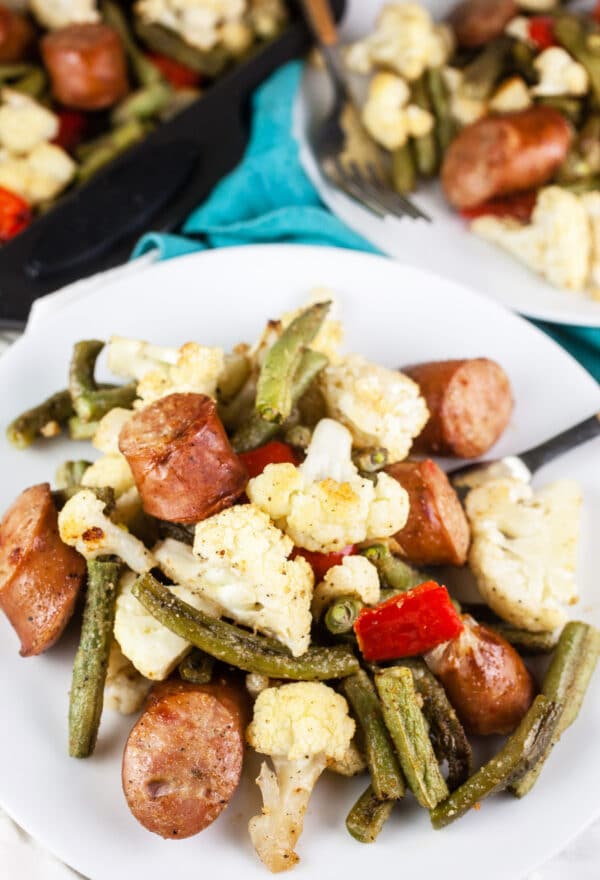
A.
pixel 393 572
pixel 234 376
pixel 256 431
pixel 425 147
pixel 527 642
pixel 371 460
pixel 523 56
pixel 35 422
pixel 482 74
pixel 144 103
pixel 70 473
pixel 17 70
pixel 572 33
pixel 566 683
pixel 386 777
pixel 447 735
pixel 341 614
pixel 406 724
pixel 520 752
pixel 586 184
pixel 166 42
pixel 145 71
pixel 90 401
pixel 91 660
pixel 404 172
pixel 106 494
pixel 235 646
pixel 99 153
pixel 197 667
pixel 179 101
pixel 368 816
pixel 445 127
pixel 298 436
pixel 583 159
pixel 80 430
pixel 572 108
pixel 274 390
pixel 33 83
pixel 177 531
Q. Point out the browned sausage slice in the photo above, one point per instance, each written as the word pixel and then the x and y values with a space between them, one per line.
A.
pixel 87 65
pixel 16 36
pixel 499 155
pixel 437 531
pixel 181 459
pixel 183 759
pixel 39 575
pixel 470 403
pixel 476 22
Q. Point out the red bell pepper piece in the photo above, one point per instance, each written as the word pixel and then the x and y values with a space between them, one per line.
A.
pixel 408 624
pixel 71 131
pixel 15 214
pixel 518 207
pixel 274 452
pixel 322 562
pixel 540 30
pixel 177 74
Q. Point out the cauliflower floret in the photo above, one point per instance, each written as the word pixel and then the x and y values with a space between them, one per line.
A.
pixel 324 505
pixel 406 40
pixel 54 14
pixel 196 21
pixel 591 204
pixel 537 5
pixel 125 689
pixel 511 96
pixel 112 471
pixel 380 407
pixel 559 74
pixel 240 563
pixel 356 576
pixel 267 17
pixel 106 438
pixel 162 370
pixel 303 727
pixel 524 549
pixel 557 243
pixel 128 507
pixel 83 524
pixel 24 123
pixel 351 764
pixel 39 176
pixel 463 108
pixel 388 116
pixel 518 28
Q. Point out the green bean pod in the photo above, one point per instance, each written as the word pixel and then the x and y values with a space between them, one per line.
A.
pixel 91 660
pixel 445 128
pixel 145 71
pixel 368 816
pixel 80 430
pixel 425 147
pixel 94 155
pixel 166 42
pixel 144 103
pixel 235 646
pixel 33 423
pixel 197 667
pixel 341 615
pixel 393 572
pixel 572 34
pixel 106 494
pixel 404 171
pixel 70 473
pixel 90 401
pixel 371 460
pixel 482 74
pixel 386 776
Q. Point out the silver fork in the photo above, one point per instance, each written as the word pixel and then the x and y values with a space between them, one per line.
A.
pixel 366 181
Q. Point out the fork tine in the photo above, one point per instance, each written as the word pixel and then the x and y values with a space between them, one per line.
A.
pixel 382 193
pixel 399 204
pixel 354 189
pixel 367 188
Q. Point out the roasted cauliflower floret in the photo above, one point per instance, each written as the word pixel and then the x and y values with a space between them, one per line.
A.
pixel 54 14
pixel 83 524
pixel 267 17
pixel 524 549
pixel 24 123
pixel 302 727
pixel 591 203
pixel 198 22
pixel 125 689
pixel 388 115
pixel 39 176
pixel 511 96
pixel 240 563
pixel 324 504
pixel 356 576
pixel 557 243
pixel 106 438
pixel 112 471
pixel 559 74
pixel 464 108
pixel 380 407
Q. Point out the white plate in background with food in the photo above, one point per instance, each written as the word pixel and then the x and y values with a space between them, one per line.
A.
pixel 445 246
pixel 393 315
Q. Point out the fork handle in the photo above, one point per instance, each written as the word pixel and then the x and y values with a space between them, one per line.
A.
pixel 321 21
pixel 564 442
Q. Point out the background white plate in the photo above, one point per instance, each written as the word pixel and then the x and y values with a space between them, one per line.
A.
pixel 446 245
pixel 393 314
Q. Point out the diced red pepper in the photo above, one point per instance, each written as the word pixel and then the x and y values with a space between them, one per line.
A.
pixel 540 30
pixel 518 207
pixel 274 452
pixel 180 76
pixel 322 562
pixel 15 214
pixel 72 126
pixel 408 624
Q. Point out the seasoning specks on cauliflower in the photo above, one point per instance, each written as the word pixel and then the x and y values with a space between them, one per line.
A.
pixel 302 726
pixel 356 576
pixel 324 505
pixel 524 549
pixel 380 407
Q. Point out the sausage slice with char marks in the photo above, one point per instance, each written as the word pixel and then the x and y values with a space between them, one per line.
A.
pixel 181 459
pixel 39 575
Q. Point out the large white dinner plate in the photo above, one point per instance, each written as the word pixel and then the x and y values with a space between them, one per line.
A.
pixel 394 315
pixel 445 246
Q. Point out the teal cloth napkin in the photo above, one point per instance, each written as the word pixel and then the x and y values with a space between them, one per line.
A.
pixel 269 198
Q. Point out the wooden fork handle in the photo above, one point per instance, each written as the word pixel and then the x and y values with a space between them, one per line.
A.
pixel 321 21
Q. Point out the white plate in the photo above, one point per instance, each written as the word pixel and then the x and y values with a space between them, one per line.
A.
pixel 446 245
pixel 393 314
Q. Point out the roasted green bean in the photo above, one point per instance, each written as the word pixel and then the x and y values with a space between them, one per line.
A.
pixel 90 401
pixel 91 660
pixel 166 42
pixel 371 460
pixel 33 83
pixel 341 614
pixel 404 172
pixel 298 436
pixel 445 128
pixel 106 494
pixel 572 108
pixel 572 34
pixel 145 71
pixel 45 419
pixel 368 816
pixel 393 572
pixel 144 103
pixel 69 473
pixel 80 430
pixel 100 152
pixel 197 667
pixel 482 74
pixel 425 147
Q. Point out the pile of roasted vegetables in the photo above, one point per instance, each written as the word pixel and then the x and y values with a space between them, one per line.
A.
pixel 502 101
pixel 82 81
pixel 256 553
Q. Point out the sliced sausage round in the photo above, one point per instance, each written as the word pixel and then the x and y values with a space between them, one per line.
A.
pixel 470 403
pixel 499 155
pixel 437 531
pixel 16 36
pixel 87 65
pixel 40 576
pixel 182 462
pixel 476 22
pixel 183 759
